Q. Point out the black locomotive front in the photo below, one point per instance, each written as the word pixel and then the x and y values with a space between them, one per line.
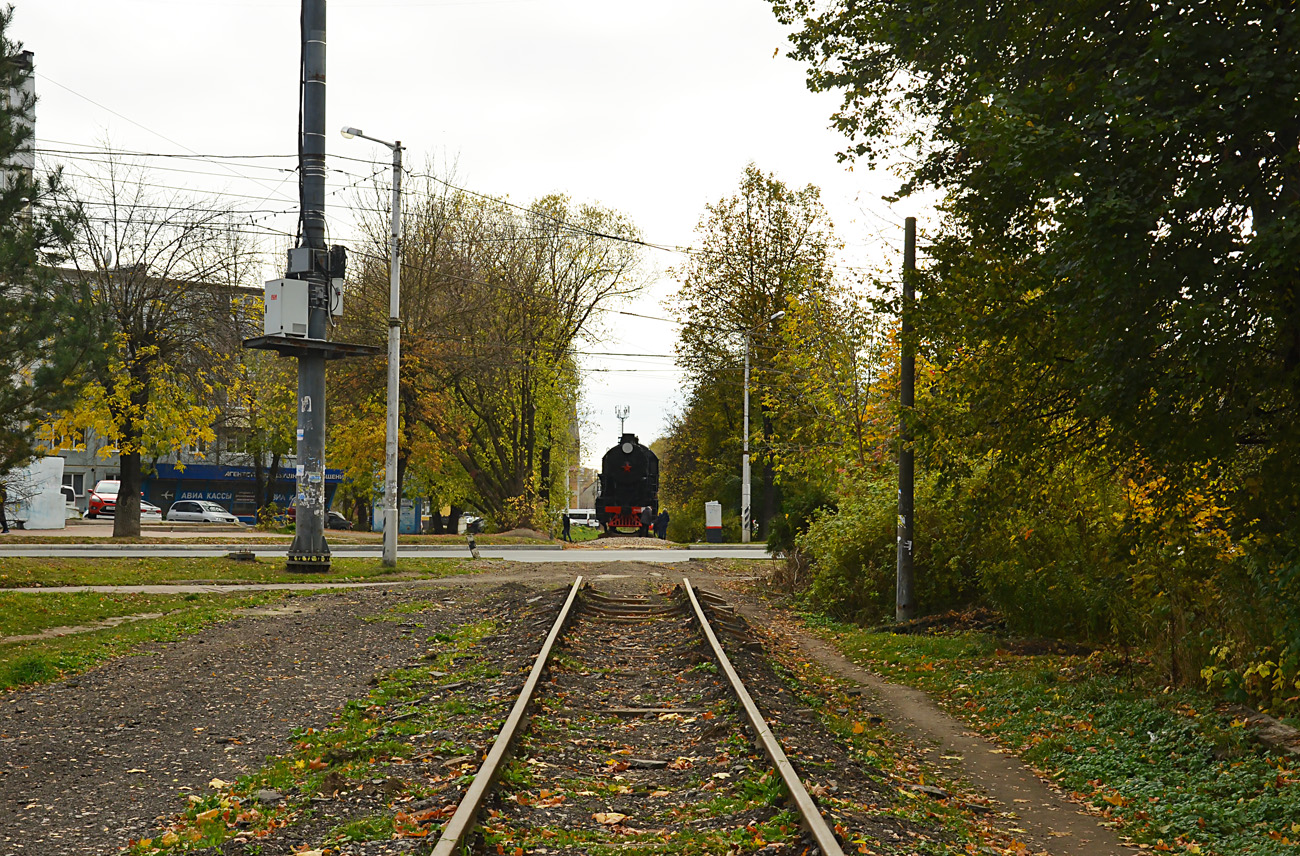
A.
pixel 629 483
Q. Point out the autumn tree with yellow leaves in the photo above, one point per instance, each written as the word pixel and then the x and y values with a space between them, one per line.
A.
pixel 164 273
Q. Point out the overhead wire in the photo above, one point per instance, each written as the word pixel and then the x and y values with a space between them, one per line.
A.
pixel 47 78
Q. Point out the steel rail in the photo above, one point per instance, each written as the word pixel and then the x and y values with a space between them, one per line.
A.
pixel 467 812
pixel 814 823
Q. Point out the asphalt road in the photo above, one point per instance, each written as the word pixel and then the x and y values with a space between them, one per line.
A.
pixel 136 551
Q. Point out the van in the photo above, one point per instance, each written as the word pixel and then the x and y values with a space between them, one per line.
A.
pixel 583 517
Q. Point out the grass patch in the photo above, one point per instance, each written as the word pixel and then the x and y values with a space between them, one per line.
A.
pixel 26 572
pixel 583 533
pixel 1163 765
pixel 26 613
pixel 41 661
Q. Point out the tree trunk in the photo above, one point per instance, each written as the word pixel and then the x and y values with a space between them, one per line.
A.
pixel 545 489
pixel 264 479
pixel 769 481
pixel 259 487
pixel 271 478
pixel 126 517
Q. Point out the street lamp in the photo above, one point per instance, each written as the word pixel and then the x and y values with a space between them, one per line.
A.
pixel 745 524
pixel 394 350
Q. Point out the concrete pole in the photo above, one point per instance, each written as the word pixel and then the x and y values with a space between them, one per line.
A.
pixel 309 551
pixel 744 459
pixel 905 601
pixel 391 517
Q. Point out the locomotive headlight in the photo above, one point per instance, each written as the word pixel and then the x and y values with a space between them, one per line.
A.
pixel 627 448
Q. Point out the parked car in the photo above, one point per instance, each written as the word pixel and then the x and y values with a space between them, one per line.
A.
pixel 199 511
pixel 103 498
pixel 334 520
pixel 150 513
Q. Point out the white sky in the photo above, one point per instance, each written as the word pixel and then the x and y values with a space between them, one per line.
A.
pixel 651 108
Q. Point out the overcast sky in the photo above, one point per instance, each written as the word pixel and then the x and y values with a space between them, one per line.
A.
pixel 653 109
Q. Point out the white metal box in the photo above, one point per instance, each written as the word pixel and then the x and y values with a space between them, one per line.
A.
pixel 286 307
pixel 336 297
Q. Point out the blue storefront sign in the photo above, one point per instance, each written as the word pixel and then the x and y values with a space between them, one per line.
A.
pixel 233 488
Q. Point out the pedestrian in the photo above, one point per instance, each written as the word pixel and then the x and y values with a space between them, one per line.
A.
pixel 661 525
pixel 4 521
pixel 647 520
pixel 567 535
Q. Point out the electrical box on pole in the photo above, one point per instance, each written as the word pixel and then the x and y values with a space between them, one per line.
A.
pixel 286 308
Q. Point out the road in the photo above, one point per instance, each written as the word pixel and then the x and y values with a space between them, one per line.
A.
pixel 513 554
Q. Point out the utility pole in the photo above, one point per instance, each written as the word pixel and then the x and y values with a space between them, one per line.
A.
pixel 745 511
pixel 905 601
pixel 392 516
pixel 314 269
pixel 309 548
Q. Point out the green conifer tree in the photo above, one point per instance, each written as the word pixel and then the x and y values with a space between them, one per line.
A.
pixel 46 330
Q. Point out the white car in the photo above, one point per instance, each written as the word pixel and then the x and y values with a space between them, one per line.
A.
pixel 199 511
pixel 150 513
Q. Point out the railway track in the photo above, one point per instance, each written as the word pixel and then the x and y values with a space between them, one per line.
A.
pixel 580 761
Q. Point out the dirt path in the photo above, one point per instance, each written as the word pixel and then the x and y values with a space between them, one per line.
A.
pixel 1051 822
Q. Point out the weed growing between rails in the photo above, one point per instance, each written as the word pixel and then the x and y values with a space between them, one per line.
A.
pixel 391 765
pixel 1165 767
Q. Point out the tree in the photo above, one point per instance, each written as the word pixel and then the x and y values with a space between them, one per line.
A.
pixel 1112 296
pixel 1123 187
pixel 494 297
pixel 163 273
pixel 757 251
pixel 47 331
pixel 261 407
pixel 826 387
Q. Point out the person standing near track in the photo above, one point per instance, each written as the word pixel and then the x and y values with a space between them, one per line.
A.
pixel 661 525
pixel 566 534
pixel 647 520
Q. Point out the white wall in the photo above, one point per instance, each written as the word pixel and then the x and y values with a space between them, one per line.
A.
pixel 35 493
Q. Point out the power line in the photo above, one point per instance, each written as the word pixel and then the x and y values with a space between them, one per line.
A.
pixel 45 77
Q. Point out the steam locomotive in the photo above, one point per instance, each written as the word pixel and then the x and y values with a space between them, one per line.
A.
pixel 629 482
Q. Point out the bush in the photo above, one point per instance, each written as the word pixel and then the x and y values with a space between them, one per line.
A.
pixel 855 552
pixel 1043 560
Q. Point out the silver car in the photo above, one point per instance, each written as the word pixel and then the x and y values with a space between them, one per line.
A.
pixel 199 511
